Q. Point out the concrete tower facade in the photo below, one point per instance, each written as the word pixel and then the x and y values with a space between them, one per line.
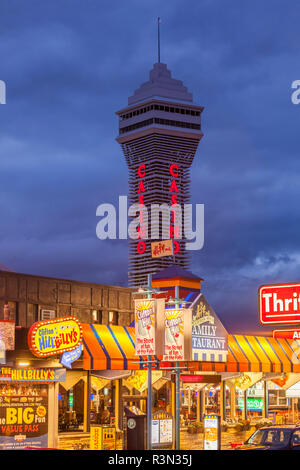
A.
pixel 159 133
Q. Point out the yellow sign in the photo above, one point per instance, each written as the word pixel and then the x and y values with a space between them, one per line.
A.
pixel 163 248
pixel 102 438
pixel 47 338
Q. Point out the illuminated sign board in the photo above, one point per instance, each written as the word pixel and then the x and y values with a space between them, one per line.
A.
pixel 253 404
pixel 210 338
pixel 279 304
pixel 57 336
pixel 292 333
pixel 23 416
pixel 11 374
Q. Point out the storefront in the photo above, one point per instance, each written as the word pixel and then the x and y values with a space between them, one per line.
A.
pixel 44 402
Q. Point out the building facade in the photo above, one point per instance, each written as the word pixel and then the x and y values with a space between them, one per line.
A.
pixel 26 299
pixel 159 133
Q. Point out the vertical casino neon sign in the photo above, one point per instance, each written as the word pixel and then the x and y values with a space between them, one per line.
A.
pixel 174 228
pixel 141 246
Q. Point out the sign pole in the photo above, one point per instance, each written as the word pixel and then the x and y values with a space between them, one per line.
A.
pixel 149 400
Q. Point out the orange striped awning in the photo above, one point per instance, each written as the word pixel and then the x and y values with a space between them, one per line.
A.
pixel 113 347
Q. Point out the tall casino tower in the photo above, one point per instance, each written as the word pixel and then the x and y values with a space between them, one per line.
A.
pixel 159 132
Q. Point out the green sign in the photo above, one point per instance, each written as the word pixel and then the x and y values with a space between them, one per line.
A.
pixel 253 404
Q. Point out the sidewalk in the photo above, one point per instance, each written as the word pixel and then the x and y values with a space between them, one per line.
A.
pixel 81 441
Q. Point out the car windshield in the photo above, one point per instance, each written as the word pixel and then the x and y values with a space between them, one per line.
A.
pixel 271 437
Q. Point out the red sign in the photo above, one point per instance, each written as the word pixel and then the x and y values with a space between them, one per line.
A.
pixel 293 333
pixel 279 304
pixel 210 379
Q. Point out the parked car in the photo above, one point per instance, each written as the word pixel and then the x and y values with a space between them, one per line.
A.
pixel 275 437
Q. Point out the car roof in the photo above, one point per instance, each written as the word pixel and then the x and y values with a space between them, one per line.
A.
pixel 282 426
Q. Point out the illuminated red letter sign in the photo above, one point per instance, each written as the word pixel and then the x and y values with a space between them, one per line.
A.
pixel 293 333
pixel 279 304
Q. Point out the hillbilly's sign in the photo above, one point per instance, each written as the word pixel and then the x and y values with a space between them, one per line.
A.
pixel 209 337
pixel 52 337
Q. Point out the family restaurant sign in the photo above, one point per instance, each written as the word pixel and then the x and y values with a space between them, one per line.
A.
pixel 209 337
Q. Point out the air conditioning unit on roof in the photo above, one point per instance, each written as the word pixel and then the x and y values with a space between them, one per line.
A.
pixel 47 314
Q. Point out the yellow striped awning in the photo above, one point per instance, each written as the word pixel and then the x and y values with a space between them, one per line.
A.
pixel 113 347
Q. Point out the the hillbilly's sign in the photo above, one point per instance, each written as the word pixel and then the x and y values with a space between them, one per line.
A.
pixel 209 337
pixel 279 304
pixel 149 327
pixel 52 337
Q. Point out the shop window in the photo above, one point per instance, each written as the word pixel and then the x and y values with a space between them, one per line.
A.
pixel 113 318
pixel 96 316
pixel 102 404
pixel 10 311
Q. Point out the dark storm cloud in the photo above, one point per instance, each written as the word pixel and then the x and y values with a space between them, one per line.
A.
pixel 69 65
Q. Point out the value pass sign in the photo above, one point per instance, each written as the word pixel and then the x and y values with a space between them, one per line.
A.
pixel 51 337
pixel 279 304
pixel 178 334
pixel 149 326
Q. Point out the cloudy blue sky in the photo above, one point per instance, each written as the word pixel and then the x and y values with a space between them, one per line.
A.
pixel 70 64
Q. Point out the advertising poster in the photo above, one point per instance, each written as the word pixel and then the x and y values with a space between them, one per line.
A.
pixel 23 416
pixel 145 327
pixel 212 432
pixel 165 431
pixel 155 431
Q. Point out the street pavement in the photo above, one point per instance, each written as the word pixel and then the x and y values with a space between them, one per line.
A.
pixel 187 441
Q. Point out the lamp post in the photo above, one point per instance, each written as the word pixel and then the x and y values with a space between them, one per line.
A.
pixel 149 400
pixel 177 388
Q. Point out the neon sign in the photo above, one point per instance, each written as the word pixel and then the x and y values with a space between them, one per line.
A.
pixel 51 337
pixel 174 229
pixel 141 246
pixel 279 304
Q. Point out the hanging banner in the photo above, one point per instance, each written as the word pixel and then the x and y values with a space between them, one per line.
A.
pixel 210 338
pixel 149 326
pixel 51 337
pixel 178 334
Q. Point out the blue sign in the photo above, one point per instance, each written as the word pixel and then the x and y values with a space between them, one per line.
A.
pixel 70 356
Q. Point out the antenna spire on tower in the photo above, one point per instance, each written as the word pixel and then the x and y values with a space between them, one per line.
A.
pixel 158 37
